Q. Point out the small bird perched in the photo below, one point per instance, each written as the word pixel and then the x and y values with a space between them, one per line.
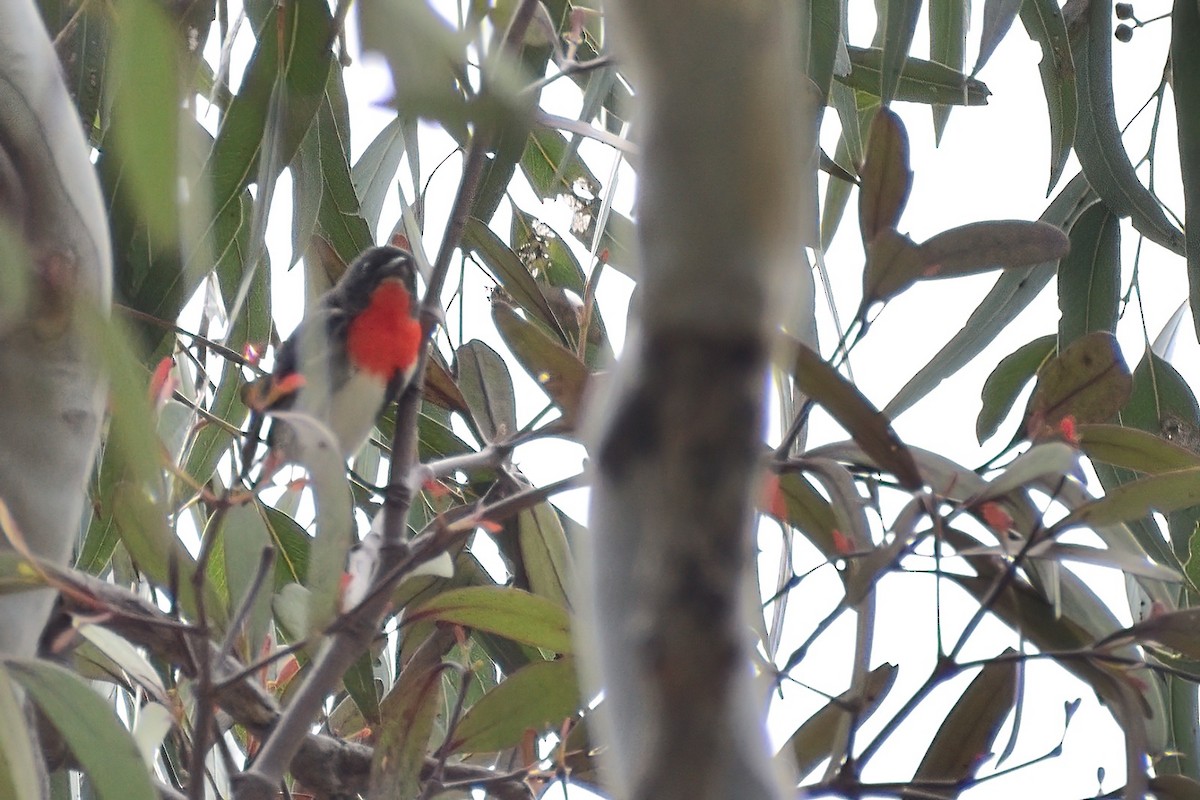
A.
pixel 355 352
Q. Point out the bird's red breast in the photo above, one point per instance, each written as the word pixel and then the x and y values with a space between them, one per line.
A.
pixel 385 338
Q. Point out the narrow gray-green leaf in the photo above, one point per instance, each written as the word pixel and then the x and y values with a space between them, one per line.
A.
pixel 825 37
pixel 1089 277
pixel 1088 381
pixel 894 265
pixel 947 45
pixel 546 554
pixel 1043 21
pixel 845 100
pixel 920 82
pixel 145 74
pixel 998 17
pixel 1010 376
pixel 375 171
pixel 1098 140
pixel 899 25
pixel 1185 71
pixel 556 369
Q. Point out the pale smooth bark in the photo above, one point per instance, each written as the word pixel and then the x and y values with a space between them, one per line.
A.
pixel 727 189
pixel 55 266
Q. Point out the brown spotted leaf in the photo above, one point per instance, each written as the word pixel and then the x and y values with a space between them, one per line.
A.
pixel 895 263
pixel 1088 381
pixel 886 176
pixel 865 424
pixel 968 731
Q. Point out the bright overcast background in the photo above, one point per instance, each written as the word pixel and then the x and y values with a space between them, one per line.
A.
pixel 993 163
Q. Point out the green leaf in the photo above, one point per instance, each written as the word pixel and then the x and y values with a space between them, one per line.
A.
pixel 1043 21
pixel 557 370
pixel 244 534
pixel 1134 449
pixel 920 81
pixel 304 34
pixel 1010 376
pixel 1012 292
pixel 321 179
pixel 971 726
pixel 1089 277
pixel 427 56
pixel 1161 404
pixel 271 114
pixel 1185 86
pixel 82 40
pixel 360 684
pixel 1098 139
pixel 145 73
pixel 898 25
pixel 292 547
pixel 18 765
pixel 1088 381
pixel 825 35
pixel 108 754
pixel 486 385
pixel 375 172
pixel 982 246
pixel 536 697
pixel 551 167
pixel 998 17
pixel 511 613
pixel 545 554
pixel 1042 460
pixel 539 246
pixel 948 46
pixel 1164 492
pixel 854 412
pixel 618 239
pixel 510 272
pixel 886 178
pixel 408 713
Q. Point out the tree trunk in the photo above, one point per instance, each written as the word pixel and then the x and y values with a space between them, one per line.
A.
pixel 55 285
pixel 727 199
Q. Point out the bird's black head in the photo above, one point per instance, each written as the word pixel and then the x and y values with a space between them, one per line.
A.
pixel 371 268
pixel 377 264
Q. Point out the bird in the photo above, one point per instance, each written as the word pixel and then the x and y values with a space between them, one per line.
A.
pixel 353 353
